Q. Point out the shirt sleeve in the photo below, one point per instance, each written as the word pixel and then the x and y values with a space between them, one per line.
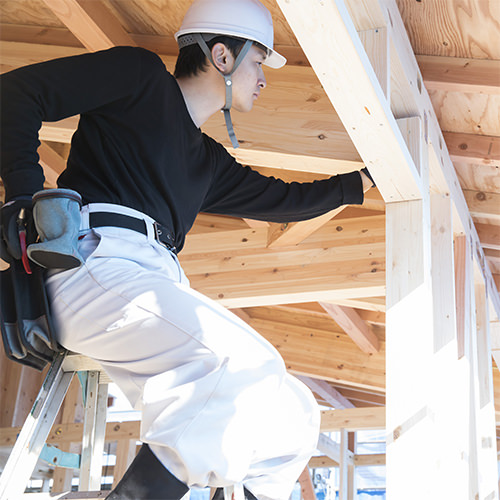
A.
pixel 242 192
pixel 51 91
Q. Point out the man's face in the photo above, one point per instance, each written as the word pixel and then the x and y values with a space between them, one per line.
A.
pixel 248 80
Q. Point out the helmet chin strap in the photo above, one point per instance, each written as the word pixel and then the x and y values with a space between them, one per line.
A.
pixel 227 81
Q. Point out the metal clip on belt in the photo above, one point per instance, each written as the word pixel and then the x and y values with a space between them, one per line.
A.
pixel 162 234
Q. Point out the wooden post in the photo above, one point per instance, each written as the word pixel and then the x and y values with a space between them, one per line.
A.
pixel 72 411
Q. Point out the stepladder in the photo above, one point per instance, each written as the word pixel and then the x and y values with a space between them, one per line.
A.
pixel 31 441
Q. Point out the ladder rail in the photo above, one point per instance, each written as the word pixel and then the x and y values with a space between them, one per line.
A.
pixel 22 460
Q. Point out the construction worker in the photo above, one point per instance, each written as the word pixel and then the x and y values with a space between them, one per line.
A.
pixel 218 406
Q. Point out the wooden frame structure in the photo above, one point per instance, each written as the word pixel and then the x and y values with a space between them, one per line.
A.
pixel 417 258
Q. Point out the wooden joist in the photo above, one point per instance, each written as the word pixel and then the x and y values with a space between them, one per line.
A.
pixel 353 419
pixel 350 321
pixel 91 22
pixel 457 74
pixel 472 148
pixel 483 204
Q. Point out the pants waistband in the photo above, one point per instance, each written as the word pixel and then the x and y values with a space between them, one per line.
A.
pixel 111 215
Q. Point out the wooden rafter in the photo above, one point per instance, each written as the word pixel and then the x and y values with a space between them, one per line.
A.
pixel 350 321
pixel 456 74
pixel 483 204
pixel 91 22
pixel 472 148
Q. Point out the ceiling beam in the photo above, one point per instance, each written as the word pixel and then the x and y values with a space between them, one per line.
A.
pixel 489 235
pixel 91 22
pixel 346 73
pixel 472 148
pixel 328 393
pixel 353 419
pixel 52 163
pixel 324 354
pixel 350 321
pixel 483 204
pixel 344 259
pixel 456 74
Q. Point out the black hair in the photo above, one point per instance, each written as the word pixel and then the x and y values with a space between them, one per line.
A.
pixel 191 59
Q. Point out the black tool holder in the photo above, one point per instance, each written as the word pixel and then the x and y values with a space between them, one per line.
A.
pixel 28 332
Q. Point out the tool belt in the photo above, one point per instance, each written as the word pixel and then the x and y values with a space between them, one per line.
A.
pixel 28 332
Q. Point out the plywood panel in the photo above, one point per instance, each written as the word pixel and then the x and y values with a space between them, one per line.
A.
pixel 479 177
pixel 30 12
pixel 456 28
pixel 467 113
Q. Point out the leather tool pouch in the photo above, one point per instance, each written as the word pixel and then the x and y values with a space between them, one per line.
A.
pixel 26 325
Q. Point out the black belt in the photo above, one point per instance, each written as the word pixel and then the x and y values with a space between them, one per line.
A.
pixel 161 233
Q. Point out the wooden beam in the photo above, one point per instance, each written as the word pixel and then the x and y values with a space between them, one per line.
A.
pixel 332 450
pixel 91 22
pixel 483 204
pixel 53 164
pixel 236 268
pixel 324 354
pixel 489 235
pixel 306 486
pixel 326 392
pixel 472 148
pixel 295 232
pixel 338 57
pixel 349 320
pixel 72 433
pixel 319 462
pixel 410 98
pixel 457 74
pixel 463 276
pixel 353 419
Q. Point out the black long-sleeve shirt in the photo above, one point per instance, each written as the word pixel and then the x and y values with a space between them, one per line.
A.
pixel 136 145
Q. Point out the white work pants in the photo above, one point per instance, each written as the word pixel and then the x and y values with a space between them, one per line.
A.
pixel 218 406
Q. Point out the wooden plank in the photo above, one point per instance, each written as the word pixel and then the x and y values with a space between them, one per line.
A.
pixel 457 74
pixel 91 22
pixel 295 232
pixel 326 392
pixel 483 204
pixel 489 235
pixel 333 450
pixel 324 354
pixel 442 270
pixel 340 61
pixel 376 44
pixel 72 410
pixel 473 148
pixel 319 462
pixel 125 453
pixel 306 486
pixel 462 260
pixel 53 164
pixel 349 320
pixel 353 419
pixel 72 433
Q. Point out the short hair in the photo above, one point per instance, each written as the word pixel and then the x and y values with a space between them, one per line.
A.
pixel 191 59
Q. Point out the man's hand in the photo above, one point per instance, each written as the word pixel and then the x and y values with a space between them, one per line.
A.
pixel 15 216
pixel 366 179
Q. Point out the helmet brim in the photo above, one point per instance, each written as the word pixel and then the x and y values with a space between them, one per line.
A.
pixel 275 60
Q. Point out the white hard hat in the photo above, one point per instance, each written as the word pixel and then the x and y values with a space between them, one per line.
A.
pixel 247 19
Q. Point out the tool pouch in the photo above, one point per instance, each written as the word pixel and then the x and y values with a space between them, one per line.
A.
pixel 25 320
pixel 57 220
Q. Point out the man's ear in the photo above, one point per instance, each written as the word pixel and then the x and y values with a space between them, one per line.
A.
pixel 222 57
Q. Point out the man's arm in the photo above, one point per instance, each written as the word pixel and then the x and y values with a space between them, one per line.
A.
pixel 242 192
pixel 51 91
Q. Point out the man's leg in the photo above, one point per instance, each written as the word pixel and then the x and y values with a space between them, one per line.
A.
pixel 212 391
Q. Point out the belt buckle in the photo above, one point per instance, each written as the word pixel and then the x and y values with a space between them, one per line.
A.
pixel 158 233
